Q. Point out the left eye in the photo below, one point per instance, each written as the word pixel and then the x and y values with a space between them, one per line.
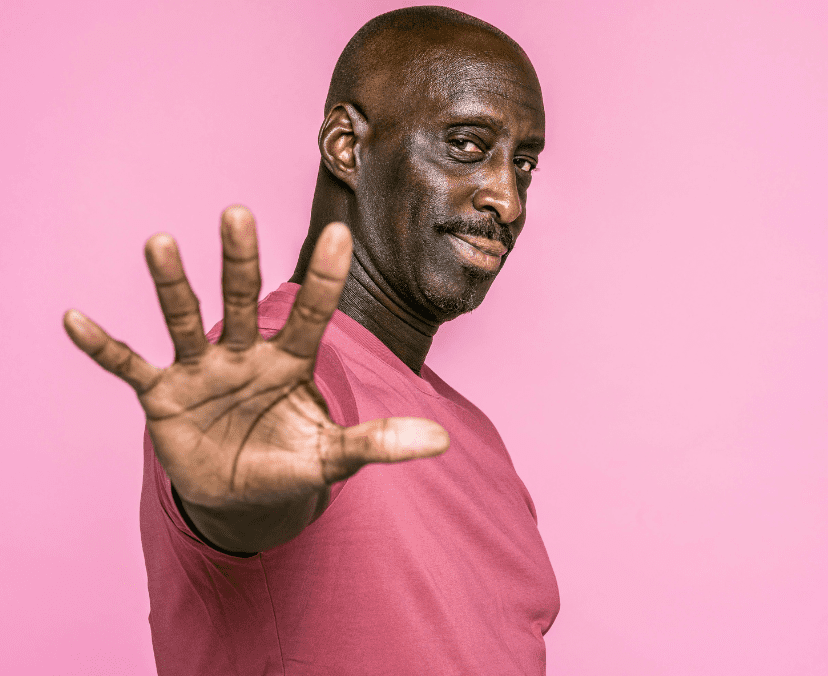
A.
pixel 466 146
pixel 525 165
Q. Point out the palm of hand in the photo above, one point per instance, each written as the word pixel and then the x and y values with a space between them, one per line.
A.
pixel 241 427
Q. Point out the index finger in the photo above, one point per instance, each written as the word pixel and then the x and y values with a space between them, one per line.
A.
pixel 178 302
pixel 317 299
pixel 114 356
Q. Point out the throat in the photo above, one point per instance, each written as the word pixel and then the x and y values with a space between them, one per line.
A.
pixel 406 335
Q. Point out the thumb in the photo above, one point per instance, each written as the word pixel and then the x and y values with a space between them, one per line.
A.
pixel 382 440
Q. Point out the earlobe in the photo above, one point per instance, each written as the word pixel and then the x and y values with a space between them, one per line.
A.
pixel 340 140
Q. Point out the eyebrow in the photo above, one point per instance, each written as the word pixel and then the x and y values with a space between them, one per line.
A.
pixel 535 143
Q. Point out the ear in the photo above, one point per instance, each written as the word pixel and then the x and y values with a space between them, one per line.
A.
pixel 340 139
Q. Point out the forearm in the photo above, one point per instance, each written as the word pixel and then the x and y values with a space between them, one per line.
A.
pixel 247 530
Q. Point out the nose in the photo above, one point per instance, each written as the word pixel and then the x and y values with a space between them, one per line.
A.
pixel 498 193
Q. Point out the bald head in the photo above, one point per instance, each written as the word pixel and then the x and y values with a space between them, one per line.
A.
pixel 413 53
pixel 433 126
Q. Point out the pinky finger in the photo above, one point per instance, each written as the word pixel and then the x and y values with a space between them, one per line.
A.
pixel 114 356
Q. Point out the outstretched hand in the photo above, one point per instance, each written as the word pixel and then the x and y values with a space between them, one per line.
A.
pixel 240 424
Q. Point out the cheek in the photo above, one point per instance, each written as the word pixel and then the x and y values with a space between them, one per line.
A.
pixel 441 187
pixel 440 195
pixel 381 203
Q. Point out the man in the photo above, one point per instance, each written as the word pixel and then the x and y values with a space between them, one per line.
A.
pixel 278 537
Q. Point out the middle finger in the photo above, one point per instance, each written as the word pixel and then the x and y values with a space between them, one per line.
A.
pixel 241 280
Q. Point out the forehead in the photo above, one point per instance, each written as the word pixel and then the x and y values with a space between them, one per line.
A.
pixel 500 87
pixel 510 79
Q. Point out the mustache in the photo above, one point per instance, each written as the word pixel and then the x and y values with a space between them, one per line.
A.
pixel 478 227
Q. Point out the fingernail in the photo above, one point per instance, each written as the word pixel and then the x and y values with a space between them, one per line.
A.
pixel 78 323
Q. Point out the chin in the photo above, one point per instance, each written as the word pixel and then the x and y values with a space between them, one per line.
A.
pixel 452 301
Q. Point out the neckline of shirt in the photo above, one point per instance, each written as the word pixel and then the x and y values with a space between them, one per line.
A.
pixel 358 334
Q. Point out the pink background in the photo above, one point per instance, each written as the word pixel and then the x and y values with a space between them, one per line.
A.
pixel 654 354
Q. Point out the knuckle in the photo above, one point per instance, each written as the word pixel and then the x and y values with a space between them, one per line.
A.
pixel 310 314
pixel 123 359
pixel 182 321
pixel 240 299
pixel 189 334
pixel 324 277
pixel 238 343
pixel 379 439
pixel 170 285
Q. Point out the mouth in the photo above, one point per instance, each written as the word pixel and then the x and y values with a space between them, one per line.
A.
pixel 479 252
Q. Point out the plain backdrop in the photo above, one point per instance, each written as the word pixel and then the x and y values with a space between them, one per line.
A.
pixel 654 353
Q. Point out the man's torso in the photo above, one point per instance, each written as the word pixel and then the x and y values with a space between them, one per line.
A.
pixel 431 566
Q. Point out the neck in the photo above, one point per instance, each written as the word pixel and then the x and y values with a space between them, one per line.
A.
pixel 401 331
pixel 405 334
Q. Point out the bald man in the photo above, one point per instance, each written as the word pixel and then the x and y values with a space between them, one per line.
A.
pixel 282 532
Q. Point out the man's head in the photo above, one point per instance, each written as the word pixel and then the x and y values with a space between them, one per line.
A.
pixel 434 121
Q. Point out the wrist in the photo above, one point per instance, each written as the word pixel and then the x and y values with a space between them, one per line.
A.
pixel 245 530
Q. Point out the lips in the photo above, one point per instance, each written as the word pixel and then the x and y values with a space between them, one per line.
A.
pixel 480 252
pixel 487 246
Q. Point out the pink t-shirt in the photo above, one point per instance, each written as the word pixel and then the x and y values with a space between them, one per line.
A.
pixel 434 566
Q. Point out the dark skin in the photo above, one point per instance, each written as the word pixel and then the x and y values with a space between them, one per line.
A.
pixel 467 153
pixel 433 201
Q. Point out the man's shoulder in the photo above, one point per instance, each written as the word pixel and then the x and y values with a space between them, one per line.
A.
pixel 448 392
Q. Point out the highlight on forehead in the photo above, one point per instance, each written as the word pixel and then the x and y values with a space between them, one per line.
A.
pixel 500 78
pixel 408 49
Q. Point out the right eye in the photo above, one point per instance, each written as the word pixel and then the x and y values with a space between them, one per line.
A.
pixel 466 145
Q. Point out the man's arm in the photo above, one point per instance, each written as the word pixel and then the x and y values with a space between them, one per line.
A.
pixel 245 533
pixel 239 426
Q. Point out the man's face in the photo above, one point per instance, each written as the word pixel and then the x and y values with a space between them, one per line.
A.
pixel 441 197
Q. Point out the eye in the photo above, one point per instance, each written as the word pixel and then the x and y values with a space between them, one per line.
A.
pixel 526 165
pixel 465 145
